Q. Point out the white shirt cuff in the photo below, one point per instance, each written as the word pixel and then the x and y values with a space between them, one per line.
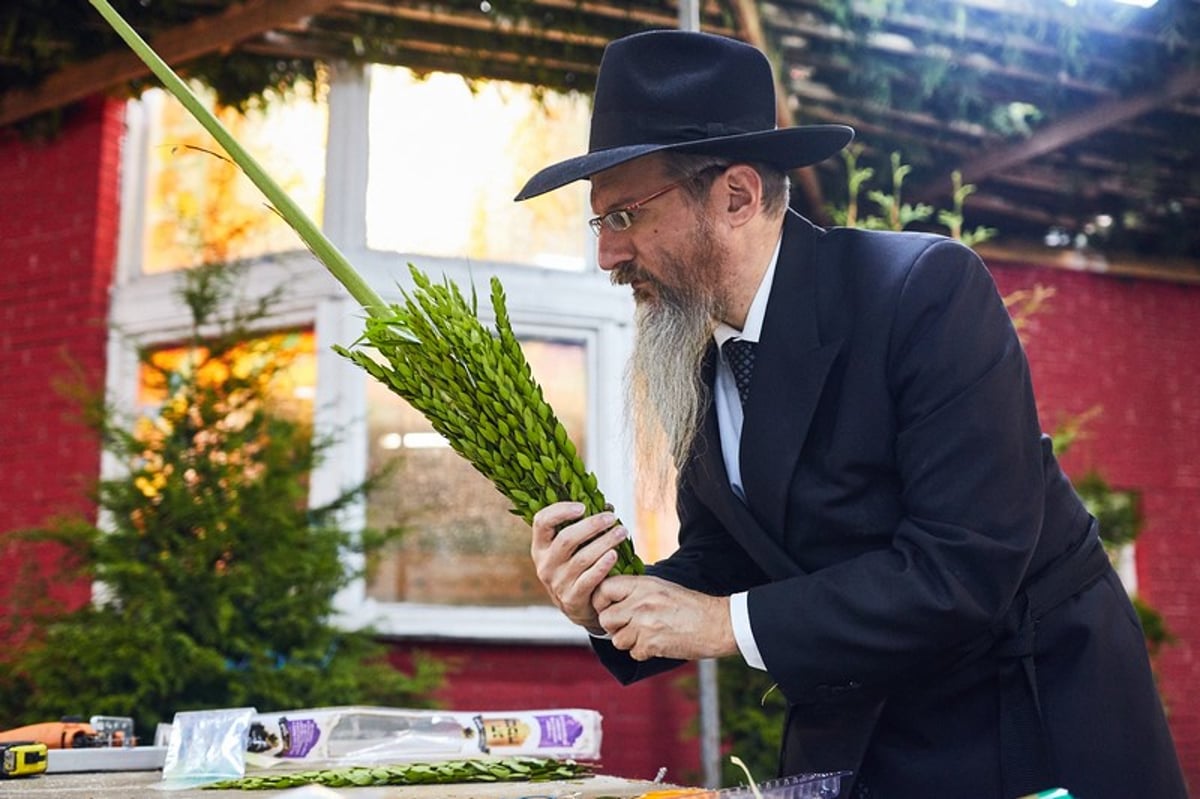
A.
pixel 739 613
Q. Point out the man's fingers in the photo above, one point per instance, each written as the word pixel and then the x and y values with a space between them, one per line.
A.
pixel 547 521
pixel 573 555
pixel 615 589
pixel 588 540
pixel 599 570
pixel 650 617
pixel 608 595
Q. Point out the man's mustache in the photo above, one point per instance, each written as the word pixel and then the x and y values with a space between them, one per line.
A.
pixel 628 272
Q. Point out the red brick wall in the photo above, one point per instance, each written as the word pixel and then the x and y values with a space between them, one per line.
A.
pixel 1132 347
pixel 645 725
pixel 58 231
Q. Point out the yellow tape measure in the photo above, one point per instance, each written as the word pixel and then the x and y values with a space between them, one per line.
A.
pixel 22 758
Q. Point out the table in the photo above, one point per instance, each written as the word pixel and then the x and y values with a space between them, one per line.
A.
pixel 138 785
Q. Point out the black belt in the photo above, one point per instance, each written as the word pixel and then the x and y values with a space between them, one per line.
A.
pixel 1027 765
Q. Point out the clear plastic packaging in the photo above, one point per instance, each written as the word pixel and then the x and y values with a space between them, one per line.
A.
pixel 801 786
pixel 361 734
pixel 825 785
pixel 206 746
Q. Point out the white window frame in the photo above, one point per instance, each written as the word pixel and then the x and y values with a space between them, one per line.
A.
pixel 541 302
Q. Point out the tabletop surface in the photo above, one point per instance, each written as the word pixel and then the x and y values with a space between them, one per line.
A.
pixel 138 784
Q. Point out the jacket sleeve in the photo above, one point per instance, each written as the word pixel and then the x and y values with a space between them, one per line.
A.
pixel 968 455
pixel 702 543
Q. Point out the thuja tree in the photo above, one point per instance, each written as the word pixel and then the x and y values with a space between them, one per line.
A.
pixel 215 579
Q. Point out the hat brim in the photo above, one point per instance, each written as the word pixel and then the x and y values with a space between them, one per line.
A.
pixel 783 148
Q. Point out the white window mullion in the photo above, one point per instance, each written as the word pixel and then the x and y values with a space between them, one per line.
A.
pixel 340 406
pixel 135 159
pixel 347 158
pixel 613 462
pixel 339 415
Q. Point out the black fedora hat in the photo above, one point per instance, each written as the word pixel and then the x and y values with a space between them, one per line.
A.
pixel 687 92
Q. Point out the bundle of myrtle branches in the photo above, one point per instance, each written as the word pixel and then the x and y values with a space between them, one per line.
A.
pixel 477 390
pixel 509 769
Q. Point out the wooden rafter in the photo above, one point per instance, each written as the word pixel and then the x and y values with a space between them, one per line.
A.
pixel 943 26
pixel 203 35
pixel 803 27
pixel 648 17
pixel 1076 127
pixel 411 52
pixel 472 21
pixel 1059 14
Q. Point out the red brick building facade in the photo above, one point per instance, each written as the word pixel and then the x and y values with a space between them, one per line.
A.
pixel 58 241
pixel 1128 346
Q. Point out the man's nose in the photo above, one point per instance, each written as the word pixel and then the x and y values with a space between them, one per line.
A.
pixel 612 249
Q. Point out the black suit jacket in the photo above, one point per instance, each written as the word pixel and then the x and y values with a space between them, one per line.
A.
pixel 900 498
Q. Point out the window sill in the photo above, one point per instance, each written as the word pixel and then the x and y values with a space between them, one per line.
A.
pixel 533 625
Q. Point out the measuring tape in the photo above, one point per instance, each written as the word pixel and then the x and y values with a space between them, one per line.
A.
pixel 22 758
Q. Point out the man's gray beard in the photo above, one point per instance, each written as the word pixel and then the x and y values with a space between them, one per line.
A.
pixel 667 398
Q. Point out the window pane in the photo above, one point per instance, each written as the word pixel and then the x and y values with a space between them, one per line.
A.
pixel 292 387
pixel 199 206
pixel 447 158
pixel 199 430
pixel 462 546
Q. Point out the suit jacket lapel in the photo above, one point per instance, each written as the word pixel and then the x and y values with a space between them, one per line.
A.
pixel 733 514
pixel 791 366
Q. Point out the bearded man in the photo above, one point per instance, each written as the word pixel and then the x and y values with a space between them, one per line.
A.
pixel 868 508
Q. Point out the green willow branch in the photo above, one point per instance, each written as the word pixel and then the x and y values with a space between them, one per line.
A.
pixel 510 769
pixel 308 231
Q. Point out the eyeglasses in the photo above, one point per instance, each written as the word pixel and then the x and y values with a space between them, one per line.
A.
pixel 622 218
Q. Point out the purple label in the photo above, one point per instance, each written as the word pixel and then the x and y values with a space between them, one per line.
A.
pixel 299 737
pixel 559 730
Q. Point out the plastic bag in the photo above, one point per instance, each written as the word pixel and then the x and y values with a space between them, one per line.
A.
pixel 802 786
pixel 206 746
pixel 359 734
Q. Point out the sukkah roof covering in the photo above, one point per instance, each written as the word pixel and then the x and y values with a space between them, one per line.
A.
pixel 1077 122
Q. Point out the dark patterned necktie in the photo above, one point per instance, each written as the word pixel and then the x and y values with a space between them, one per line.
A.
pixel 739 355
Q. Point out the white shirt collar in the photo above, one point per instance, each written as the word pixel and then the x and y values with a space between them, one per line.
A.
pixel 752 330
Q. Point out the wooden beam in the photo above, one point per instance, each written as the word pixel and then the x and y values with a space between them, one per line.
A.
pixel 208 34
pixel 749 24
pixel 1173 270
pixel 282 45
pixel 982 201
pixel 942 26
pixel 1076 127
pixel 807 26
pixel 641 15
pixel 473 21
pixel 1036 10
pixel 927 126
pixel 1065 15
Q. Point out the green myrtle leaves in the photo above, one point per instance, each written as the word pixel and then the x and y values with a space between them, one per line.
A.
pixel 509 769
pixel 476 388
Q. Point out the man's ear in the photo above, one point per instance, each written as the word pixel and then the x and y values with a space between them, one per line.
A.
pixel 743 189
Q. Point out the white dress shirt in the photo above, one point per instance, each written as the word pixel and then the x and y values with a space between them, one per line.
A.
pixel 729 423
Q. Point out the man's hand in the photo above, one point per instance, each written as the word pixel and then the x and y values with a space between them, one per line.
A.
pixel 650 617
pixel 571 559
